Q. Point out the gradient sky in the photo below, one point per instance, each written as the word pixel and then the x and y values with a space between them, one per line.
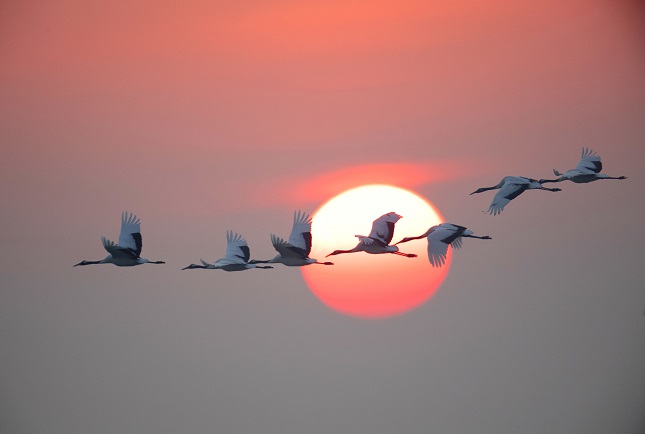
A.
pixel 202 116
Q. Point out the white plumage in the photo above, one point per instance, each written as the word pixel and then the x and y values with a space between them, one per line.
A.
pixel 511 187
pixel 295 252
pixel 379 238
pixel 587 170
pixel 127 252
pixel 236 257
pixel 440 237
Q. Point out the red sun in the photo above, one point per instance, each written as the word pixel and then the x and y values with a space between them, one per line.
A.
pixel 373 286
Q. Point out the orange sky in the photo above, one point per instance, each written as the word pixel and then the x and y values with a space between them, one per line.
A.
pixel 346 82
pixel 298 72
pixel 203 116
pixel 304 98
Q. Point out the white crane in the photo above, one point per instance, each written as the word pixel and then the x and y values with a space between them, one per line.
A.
pixel 127 252
pixel 439 237
pixel 379 239
pixel 295 252
pixel 236 257
pixel 587 170
pixel 511 187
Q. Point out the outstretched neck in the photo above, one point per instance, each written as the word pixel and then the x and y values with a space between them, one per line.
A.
pixel 191 266
pixel 89 263
pixel 483 189
pixel 406 239
pixel 544 181
pixel 338 252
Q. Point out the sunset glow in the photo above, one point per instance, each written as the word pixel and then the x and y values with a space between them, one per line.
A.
pixel 373 286
pixel 203 117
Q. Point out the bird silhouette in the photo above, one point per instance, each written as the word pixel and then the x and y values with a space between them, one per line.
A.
pixel 127 252
pixel 440 237
pixel 587 170
pixel 236 257
pixel 510 187
pixel 295 252
pixel 379 238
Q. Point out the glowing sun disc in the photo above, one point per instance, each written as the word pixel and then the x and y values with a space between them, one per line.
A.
pixel 373 286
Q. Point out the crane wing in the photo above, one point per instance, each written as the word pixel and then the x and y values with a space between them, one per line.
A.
pixel 236 247
pixel 382 230
pixel 301 232
pixel 287 250
pixel 590 162
pixel 130 236
pixel 368 241
pixel 439 237
pixel 437 251
pixel 456 243
pixel 508 192
pixel 117 251
pixel 450 234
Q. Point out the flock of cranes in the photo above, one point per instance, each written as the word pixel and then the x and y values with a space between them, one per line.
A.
pixel 295 252
pixel 587 170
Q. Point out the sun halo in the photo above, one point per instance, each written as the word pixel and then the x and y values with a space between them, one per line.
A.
pixel 373 286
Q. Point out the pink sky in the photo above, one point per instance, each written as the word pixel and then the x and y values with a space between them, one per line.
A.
pixel 202 116
pixel 333 84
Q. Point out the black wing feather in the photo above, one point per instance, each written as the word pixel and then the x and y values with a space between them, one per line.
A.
pixel 307 237
pixel 452 237
pixel 516 192
pixel 138 242
pixel 247 253
pixel 300 252
pixel 390 229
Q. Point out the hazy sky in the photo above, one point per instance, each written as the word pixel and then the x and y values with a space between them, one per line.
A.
pixel 203 116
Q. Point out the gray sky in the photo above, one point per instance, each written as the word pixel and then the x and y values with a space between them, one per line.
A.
pixel 206 116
